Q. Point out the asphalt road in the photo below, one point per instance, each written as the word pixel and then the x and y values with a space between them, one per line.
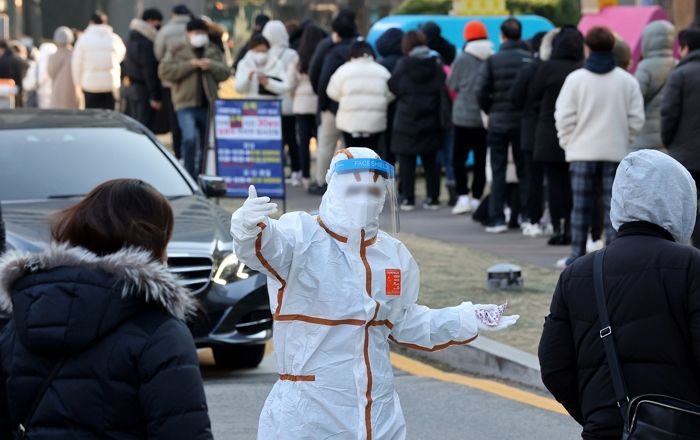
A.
pixel 434 409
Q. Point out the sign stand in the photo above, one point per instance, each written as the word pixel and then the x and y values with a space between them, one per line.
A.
pixel 249 147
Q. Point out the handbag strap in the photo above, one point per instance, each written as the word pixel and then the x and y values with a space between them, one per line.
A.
pixel 618 379
pixel 22 428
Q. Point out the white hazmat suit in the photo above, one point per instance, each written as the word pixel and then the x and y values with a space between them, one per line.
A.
pixel 340 290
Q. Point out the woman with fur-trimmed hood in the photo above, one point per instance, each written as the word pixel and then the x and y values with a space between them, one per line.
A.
pixel 97 346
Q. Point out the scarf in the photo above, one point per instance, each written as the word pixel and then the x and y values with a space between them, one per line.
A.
pixel 600 62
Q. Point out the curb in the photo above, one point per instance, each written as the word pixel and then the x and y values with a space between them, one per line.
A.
pixel 487 358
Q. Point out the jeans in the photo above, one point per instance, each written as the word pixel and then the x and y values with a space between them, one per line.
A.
pixel 193 125
pixel 407 175
pixel 584 178
pixel 444 156
pixel 469 139
pixel 306 129
pixel 499 143
pixel 289 138
pixel 100 100
pixel 371 141
pixel 172 120
pixel 328 135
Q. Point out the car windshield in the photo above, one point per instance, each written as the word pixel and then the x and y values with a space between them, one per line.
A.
pixel 69 162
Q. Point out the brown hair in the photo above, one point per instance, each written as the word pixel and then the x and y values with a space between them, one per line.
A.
pixel 117 214
pixel 411 40
pixel 600 39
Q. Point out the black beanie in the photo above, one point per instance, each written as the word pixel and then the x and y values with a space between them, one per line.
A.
pixel 197 24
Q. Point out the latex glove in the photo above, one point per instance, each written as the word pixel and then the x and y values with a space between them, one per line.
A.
pixel 489 317
pixel 255 210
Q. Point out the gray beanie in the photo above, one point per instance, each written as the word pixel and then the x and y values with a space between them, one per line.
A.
pixel 63 36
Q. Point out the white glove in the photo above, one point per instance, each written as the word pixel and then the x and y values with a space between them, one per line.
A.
pixel 489 317
pixel 255 210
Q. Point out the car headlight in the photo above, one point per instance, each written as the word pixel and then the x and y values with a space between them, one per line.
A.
pixel 230 270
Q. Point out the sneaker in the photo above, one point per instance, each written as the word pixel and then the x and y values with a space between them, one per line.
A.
pixel 497 229
pixel 593 246
pixel 295 180
pixel 431 204
pixel 474 203
pixel 559 240
pixel 565 262
pixel 463 206
pixel 533 230
pixel 406 206
pixel 317 190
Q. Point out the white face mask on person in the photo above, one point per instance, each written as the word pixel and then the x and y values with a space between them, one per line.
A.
pixel 260 58
pixel 199 40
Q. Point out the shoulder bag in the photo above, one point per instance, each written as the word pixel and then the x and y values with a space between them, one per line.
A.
pixel 21 430
pixel 649 416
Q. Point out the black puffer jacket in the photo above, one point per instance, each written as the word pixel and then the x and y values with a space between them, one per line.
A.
pixel 525 103
pixel 653 289
pixel 140 63
pixel 389 48
pixel 567 56
pixel 130 370
pixel 417 83
pixel 680 112
pixel 335 56
pixel 497 77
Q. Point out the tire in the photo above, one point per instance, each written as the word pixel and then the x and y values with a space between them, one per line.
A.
pixel 239 357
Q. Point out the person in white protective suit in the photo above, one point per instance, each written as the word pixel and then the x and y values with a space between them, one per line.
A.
pixel 340 290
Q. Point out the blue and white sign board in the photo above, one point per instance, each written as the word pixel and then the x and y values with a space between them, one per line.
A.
pixel 249 149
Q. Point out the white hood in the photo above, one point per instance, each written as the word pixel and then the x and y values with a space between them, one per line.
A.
pixel 651 186
pixel 276 34
pixel 481 49
pixel 334 209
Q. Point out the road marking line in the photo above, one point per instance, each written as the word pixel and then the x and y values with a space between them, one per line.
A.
pixel 418 368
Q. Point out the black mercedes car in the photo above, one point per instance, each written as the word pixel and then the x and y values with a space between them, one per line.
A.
pixel 49 159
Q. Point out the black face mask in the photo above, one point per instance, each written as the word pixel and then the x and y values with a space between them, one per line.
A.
pixel 158 27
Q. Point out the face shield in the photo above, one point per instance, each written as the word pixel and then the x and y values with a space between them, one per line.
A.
pixel 366 188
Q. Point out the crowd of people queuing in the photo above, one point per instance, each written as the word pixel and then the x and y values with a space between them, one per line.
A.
pixel 545 120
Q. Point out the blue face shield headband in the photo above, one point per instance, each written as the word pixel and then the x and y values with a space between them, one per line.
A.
pixel 378 166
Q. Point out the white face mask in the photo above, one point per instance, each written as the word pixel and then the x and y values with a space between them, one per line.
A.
pixel 260 58
pixel 199 40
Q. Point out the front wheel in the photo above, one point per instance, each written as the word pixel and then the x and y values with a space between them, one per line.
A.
pixel 238 357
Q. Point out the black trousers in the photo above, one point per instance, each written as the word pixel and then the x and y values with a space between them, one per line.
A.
pixel 534 185
pixel 560 198
pixel 371 142
pixel 468 139
pixel 100 100
pixel 169 109
pixel 306 129
pixel 499 142
pixel 289 138
pixel 407 176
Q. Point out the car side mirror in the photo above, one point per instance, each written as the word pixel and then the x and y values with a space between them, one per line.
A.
pixel 212 186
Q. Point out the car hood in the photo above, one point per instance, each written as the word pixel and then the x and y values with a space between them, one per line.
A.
pixel 200 226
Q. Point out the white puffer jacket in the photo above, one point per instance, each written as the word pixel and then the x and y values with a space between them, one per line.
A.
pixel 37 77
pixel 276 34
pixel 96 59
pixel 305 100
pixel 361 89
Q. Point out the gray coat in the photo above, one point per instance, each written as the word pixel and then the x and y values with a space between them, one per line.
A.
pixel 464 79
pixel 652 73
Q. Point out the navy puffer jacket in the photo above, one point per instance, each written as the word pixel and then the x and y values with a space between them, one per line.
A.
pixel 130 368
